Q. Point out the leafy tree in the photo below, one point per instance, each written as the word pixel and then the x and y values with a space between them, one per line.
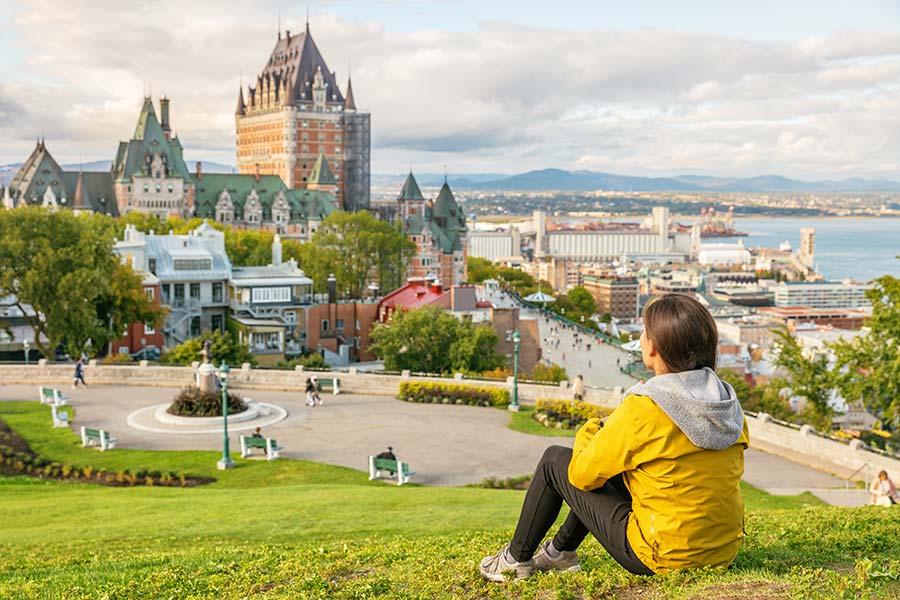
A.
pixel 520 281
pixel 63 266
pixel 223 346
pixel 474 349
pixel 808 377
pixel 582 300
pixel 357 248
pixel 869 365
pixel 481 269
pixel 431 340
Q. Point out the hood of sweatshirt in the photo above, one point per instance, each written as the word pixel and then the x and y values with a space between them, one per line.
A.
pixel 704 407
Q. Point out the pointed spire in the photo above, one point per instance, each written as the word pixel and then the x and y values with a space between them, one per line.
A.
pixel 349 103
pixel 81 200
pixel 321 176
pixel 307 19
pixel 241 107
pixel 410 189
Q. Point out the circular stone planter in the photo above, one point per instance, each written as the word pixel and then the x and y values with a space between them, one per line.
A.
pixel 259 414
pixel 164 417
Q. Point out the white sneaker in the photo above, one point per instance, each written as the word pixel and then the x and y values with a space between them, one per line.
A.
pixel 566 561
pixel 493 567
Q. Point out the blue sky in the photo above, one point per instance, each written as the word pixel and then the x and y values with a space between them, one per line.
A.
pixel 805 89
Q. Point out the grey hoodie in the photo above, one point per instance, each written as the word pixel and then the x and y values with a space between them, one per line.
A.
pixel 704 407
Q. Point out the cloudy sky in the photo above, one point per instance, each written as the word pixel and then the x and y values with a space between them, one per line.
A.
pixel 807 89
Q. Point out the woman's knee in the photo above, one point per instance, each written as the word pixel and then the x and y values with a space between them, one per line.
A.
pixel 555 458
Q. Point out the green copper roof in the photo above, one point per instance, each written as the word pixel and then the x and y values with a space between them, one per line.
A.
pixel 444 220
pixel 304 204
pixel 133 157
pixel 410 189
pixel 321 173
pixel 83 191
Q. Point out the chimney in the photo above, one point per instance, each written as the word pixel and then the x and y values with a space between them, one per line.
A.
pixel 332 288
pixel 287 33
pixel 436 287
pixel 164 116
pixel 276 250
pixel 256 173
pixel 199 171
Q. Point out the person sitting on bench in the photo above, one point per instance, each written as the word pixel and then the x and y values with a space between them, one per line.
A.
pixel 389 455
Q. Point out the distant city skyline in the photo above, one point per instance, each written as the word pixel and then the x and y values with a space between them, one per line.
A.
pixel 808 90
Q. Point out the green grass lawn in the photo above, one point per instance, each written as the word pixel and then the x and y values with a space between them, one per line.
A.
pixel 295 529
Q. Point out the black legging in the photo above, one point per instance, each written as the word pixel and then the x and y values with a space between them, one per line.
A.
pixel 602 512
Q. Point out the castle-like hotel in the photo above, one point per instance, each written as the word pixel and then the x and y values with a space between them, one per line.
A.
pixel 303 151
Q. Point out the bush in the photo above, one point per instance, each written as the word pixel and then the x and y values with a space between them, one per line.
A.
pixel 566 414
pixel 192 402
pixel 313 361
pixel 548 373
pixel 117 359
pixel 450 393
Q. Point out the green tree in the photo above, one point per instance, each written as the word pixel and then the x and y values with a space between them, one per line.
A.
pixel 520 281
pixel 431 340
pixel 481 269
pixel 582 300
pixel 357 248
pixel 474 350
pixel 868 367
pixel 809 377
pixel 63 266
pixel 223 346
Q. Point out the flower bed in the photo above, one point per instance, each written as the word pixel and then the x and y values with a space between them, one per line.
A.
pixel 17 458
pixel 449 393
pixel 566 414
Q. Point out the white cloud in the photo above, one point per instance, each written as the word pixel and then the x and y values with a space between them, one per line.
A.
pixel 501 98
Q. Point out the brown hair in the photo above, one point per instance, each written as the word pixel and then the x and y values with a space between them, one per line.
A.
pixel 683 332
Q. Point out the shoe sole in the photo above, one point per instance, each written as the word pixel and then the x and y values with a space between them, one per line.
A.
pixel 500 578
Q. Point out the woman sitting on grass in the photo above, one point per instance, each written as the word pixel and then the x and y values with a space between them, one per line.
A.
pixel 658 483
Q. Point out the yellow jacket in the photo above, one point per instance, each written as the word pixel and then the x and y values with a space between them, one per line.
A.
pixel 686 501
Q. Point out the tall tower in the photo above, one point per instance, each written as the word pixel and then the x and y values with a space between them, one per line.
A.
pixel 661 228
pixel 295 112
pixel 807 246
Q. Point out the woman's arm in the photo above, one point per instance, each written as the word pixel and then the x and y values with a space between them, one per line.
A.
pixel 604 451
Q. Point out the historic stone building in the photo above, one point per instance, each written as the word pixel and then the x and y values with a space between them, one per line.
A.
pixel 296 112
pixel 149 175
pixel 42 182
pixel 438 229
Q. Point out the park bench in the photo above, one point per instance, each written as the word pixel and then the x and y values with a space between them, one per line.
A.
pixel 48 395
pixel 60 417
pixel 376 465
pixel 333 382
pixel 269 445
pixel 99 436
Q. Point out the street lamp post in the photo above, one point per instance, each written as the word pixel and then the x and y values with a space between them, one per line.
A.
pixel 225 462
pixel 27 346
pixel 514 405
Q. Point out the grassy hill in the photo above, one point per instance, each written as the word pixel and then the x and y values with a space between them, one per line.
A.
pixel 295 529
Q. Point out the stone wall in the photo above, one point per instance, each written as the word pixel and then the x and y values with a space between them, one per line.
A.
pixel 249 378
pixel 806 441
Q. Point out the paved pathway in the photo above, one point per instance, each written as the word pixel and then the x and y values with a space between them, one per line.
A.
pixel 597 365
pixel 446 445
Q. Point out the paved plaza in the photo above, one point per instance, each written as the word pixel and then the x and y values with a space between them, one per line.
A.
pixel 446 445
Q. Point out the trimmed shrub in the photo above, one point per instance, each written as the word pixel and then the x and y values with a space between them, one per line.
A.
pixel 192 402
pixel 452 393
pixel 117 359
pixel 566 414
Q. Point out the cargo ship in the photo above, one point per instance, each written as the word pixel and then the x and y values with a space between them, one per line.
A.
pixel 716 226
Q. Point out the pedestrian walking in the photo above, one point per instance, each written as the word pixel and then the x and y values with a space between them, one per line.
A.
pixel 79 373
pixel 310 392
pixel 578 388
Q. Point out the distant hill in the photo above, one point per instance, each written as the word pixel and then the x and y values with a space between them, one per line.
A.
pixel 561 180
pixel 7 172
